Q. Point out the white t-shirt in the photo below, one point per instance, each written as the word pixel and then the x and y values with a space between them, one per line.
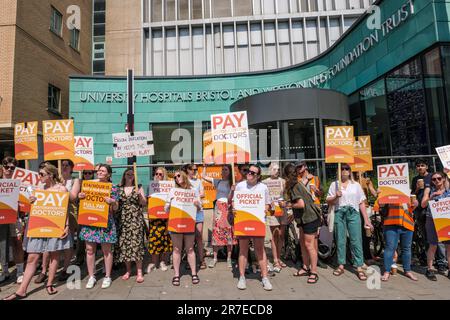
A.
pixel 222 188
pixel 352 196
pixel 259 187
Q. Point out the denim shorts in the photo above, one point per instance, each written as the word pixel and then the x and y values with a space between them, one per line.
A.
pixel 200 217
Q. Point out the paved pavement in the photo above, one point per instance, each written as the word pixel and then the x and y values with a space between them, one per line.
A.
pixel 220 284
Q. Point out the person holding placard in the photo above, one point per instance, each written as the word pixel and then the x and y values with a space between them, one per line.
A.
pixel 36 246
pixel 348 198
pixel 191 170
pixel 106 237
pixel 307 215
pixel 253 184
pixel 277 224
pixel 130 244
pixel 182 181
pixel 159 241
pixel 222 231
pixel 10 232
pixel 437 190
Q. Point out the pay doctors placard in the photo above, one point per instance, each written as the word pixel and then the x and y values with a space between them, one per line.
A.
pixel 393 182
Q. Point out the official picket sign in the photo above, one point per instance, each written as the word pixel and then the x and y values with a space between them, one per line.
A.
pixel 440 211
pixel 250 213
pixel 393 182
pixel 58 139
pixel 158 192
pixel 9 196
pixel 29 180
pixel 339 141
pixel 363 154
pixel 48 214
pixel 84 153
pixel 230 137
pixel 93 209
pixel 25 140
pixel 182 210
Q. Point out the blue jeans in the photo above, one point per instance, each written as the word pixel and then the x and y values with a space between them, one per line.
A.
pixel 391 235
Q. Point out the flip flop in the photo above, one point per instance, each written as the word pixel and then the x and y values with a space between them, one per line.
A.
pixel 385 276
pixel 16 296
pixel 411 276
pixel 51 292
pixel 362 275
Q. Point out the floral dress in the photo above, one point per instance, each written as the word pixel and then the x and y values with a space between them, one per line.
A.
pixel 158 241
pixel 102 235
pixel 130 228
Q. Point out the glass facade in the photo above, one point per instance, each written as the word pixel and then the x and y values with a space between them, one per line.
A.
pixel 98 38
pixel 407 111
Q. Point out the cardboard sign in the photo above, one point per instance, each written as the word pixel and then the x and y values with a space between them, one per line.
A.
pixel 250 214
pixel 444 156
pixel 393 182
pixel 29 181
pixel 440 211
pixel 182 211
pixel 275 188
pixel 214 172
pixel 9 197
pixel 363 155
pixel 158 192
pixel 230 137
pixel 58 139
pixel 84 153
pixel 48 214
pixel 25 141
pixel 208 154
pixel 93 210
pixel 126 145
pixel 339 142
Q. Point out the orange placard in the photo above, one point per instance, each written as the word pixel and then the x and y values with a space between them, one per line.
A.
pixel 230 137
pixel 363 154
pixel 93 210
pixel 9 197
pixel 214 172
pixel 29 180
pixel 25 140
pixel 339 141
pixel 48 214
pixel 208 152
pixel 250 214
pixel 393 182
pixel 278 210
pixel 84 153
pixel 158 192
pixel 182 210
pixel 440 210
pixel 58 139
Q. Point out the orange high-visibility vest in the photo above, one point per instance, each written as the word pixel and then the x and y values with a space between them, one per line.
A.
pixel 398 216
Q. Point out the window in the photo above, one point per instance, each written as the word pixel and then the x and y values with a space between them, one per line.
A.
pixel 54 98
pixel 56 22
pixel 75 38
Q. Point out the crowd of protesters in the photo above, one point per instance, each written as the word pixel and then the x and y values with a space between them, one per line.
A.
pixel 127 236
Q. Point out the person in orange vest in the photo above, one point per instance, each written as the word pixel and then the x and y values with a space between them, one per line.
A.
pixel 398 224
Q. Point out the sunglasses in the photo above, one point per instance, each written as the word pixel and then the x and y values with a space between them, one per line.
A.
pixel 88 172
pixel 252 173
pixel 345 168
pixel 177 176
pixel 193 169
pixel 421 165
pixel 436 179
pixel 42 174
pixel 9 167
pixel 159 174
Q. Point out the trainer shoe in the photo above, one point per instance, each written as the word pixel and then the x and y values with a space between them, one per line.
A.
pixel 229 263
pixel 91 283
pixel 19 279
pixel 106 283
pixel 163 266
pixel 212 263
pixel 151 267
pixel 266 284
pixel 242 285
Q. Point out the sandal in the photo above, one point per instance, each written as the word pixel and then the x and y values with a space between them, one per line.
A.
pixel 411 276
pixel 195 279
pixel 203 265
pixel 282 264
pixel 52 291
pixel 176 281
pixel 16 296
pixel 304 274
pixel 339 271
pixel 361 275
pixel 140 279
pixel 313 278
pixel 385 276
